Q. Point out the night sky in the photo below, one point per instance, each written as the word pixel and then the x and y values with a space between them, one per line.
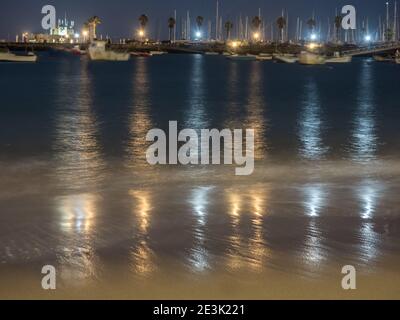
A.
pixel 120 17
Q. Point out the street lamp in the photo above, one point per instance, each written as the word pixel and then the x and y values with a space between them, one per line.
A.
pixel 198 35
pixel 313 37
pixel 256 36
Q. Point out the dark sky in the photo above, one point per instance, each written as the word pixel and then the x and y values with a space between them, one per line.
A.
pixel 120 16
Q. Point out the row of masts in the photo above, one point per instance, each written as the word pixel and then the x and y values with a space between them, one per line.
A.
pixel 386 29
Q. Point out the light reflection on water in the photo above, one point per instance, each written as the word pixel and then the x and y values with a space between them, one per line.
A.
pixel 87 201
pixel 142 255
pixel 199 200
pixel 79 167
pixel 311 124
pixel 364 138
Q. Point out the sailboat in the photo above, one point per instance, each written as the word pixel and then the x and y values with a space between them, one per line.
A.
pixel 7 56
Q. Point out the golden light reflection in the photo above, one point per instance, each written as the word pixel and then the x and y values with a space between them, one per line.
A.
pixel 249 252
pixel 140 121
pixel 255 109
pixel 78 213
pixel 79 169
pixel 199 201
pixel 142 256
pixel 77 256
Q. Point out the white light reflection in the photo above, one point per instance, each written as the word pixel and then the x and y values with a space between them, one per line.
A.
pixel 364 137
pixel 311 124
pixel 369 193
pixel 315 199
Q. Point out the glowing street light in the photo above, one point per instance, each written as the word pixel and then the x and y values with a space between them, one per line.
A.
pixel 256 36
pixel 313 37
pixel 234 44
pixel 141 33
pixel 367 38
pixel 198 34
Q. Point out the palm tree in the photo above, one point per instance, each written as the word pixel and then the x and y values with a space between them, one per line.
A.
pixel 199 21
pixel 92 23
pixel 143 20
pixel 311 24
pixel 171 26
pixel 228 28
pixel 256 23
pixel 281 22
pixel 338 25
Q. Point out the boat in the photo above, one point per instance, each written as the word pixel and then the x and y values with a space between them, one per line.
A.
pixel 382 59
pixel 211 53
pixel 157 53
pixel 76 50
pixel 225 53
pixel 337 58
pixel 264 57
pixel 97 52
pixel 286 58
pixel 310 58
pixel 141 54
pixel 7 56
pixel 241 57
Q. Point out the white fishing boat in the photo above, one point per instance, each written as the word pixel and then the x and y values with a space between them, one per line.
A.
pixel 7 56
pixel 241 57
pixel 286 58
pixel 225 53
pixel 310 58
pixel 338 58
pixel 97 52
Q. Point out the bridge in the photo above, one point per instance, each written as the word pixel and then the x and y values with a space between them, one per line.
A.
pixel 373 49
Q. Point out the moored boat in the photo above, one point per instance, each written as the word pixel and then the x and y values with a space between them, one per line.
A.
pixel 211 53
pixel 97 52
pixel 337 58
pixel 241 57
pixel 264 57
pixel 382 59
pixel 7 56
pixel 157 53
pixel 141 54
pixel 310 58
pixel 285 58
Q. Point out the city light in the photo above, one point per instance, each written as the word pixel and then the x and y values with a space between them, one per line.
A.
pixel 367 38
pixel 85 33
pixel 234 44
pixel 198 35
pixel 256 36
pixel 141 33
pixel 313 36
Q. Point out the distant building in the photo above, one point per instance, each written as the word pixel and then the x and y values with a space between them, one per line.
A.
pixel 64 29
pixel 63 33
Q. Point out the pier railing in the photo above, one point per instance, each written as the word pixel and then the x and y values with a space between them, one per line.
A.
pixel 372 49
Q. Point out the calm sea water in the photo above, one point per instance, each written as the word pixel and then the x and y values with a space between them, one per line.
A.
pixel 77 193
